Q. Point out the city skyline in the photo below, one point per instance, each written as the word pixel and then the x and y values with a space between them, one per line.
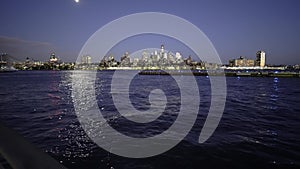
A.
pixel 36 29
pixel 148 59
pixel 152 57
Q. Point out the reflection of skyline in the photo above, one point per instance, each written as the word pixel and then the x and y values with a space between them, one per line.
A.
pixel 55 100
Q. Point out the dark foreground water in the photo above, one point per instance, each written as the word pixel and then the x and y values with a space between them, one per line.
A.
pixel 260 127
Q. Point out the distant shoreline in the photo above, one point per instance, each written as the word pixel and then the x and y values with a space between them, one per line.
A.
pixel 227 74
pixel 235 73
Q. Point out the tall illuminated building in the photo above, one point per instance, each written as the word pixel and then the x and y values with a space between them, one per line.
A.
pixel 178 56
pixel 162 48
pixel 260 58
pixel 86 59
pixel 162 51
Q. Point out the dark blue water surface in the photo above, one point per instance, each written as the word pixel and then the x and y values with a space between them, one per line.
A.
pixel 260 127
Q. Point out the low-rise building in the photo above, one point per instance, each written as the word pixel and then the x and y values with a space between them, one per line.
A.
pixel 241 62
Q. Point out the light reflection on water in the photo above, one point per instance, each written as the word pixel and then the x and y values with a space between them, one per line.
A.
pixel 259 126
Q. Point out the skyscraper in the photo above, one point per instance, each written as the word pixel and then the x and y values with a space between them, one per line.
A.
pixel 162 48
pixel 260 59
pixel 162 51
pixel 86 59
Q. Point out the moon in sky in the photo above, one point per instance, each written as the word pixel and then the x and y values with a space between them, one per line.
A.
pixel 77 1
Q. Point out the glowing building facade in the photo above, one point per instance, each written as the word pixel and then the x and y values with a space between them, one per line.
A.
pixel 260 59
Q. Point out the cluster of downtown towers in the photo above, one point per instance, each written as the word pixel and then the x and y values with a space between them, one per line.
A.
pixel 161 58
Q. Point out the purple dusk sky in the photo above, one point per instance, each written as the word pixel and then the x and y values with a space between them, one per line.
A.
pixel 36 28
